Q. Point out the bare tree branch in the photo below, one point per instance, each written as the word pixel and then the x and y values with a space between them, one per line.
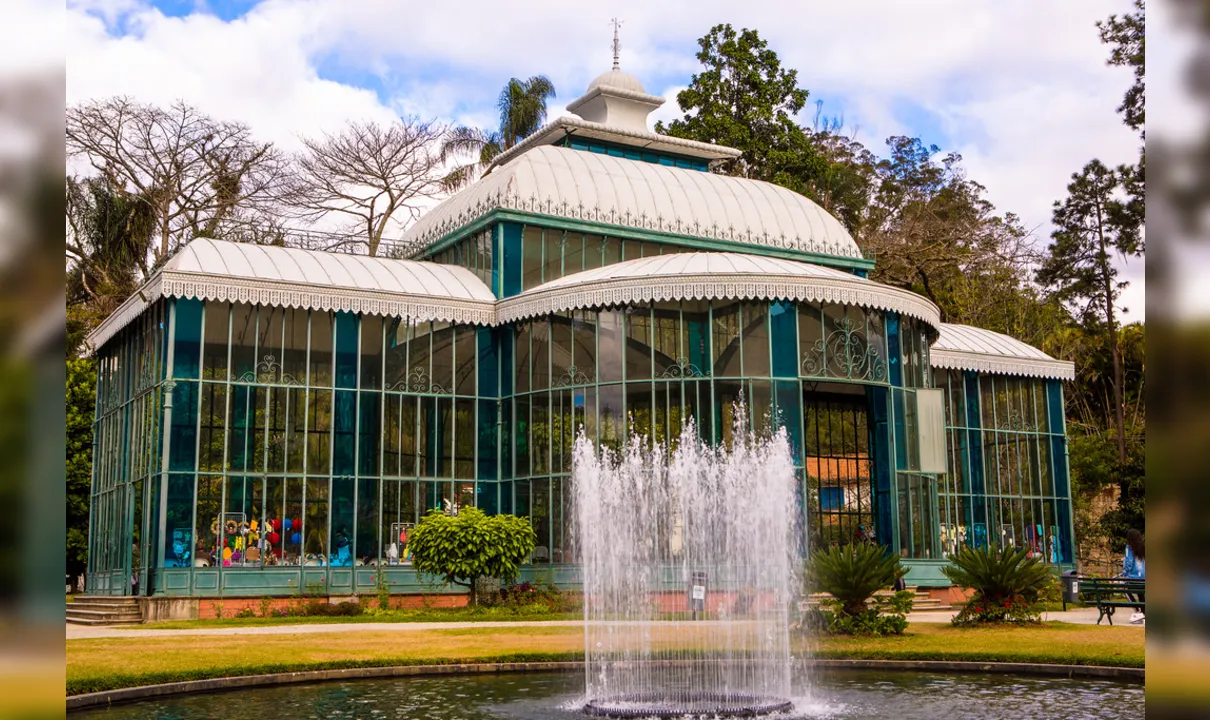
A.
pixel 378 176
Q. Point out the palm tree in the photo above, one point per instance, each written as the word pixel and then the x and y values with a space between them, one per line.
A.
pixel 522 106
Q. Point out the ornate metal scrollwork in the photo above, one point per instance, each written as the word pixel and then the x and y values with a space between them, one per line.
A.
pixel 847 349
pixel 420 381
pixel 682 369
pixel 266 373
pixel 573 376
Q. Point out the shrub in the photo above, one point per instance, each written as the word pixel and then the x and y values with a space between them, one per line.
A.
pixel 266 605
pixel 323 608
pixel 470 545
pixel 1008 584
pixel 852 574
pixel 246 613
pixel 887 616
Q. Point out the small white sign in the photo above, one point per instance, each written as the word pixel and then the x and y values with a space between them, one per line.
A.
pixel 698 592
pixel 1075 587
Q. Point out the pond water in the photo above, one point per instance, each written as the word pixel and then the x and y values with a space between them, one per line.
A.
pixel 836 695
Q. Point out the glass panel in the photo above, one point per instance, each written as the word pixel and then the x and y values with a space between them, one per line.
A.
pixel 296 414
pixel 612 427
pixel 756 339
pixel 371 352
pixel 560 351
pixel 541 353
pixel 243 342
pixel 294 350
pixel 269 344
pixel 319 427
pixel 531 267
pixel 666 350
pixel 465 352
pixel 464 438
pixel 214 349
pixel 554 255
pixel 695 337
pixel 610 345
pixel 209 497
pixel 443 358
pixel 367 519
pixel 290 528
pixel 573 253
pixel 611 253
pixel 592 251
pixel 540 433
pixel 315 523
pixel 523 332
pixel 726 340
pixel 522 426
pixel 584 340
pixel 410 445
pixel 213 422
pixel 638 343
pixel 420 378
pixel 540 517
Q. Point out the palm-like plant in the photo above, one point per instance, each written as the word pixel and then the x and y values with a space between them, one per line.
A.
pixel 522 107
pixel 998 575
pixel 853 573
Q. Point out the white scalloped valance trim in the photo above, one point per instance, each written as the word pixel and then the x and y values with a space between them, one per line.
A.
pixel 220 288
pixel 739 286
pixel 1001 365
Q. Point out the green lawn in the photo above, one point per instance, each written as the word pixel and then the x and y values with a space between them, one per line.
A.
pixel 107 663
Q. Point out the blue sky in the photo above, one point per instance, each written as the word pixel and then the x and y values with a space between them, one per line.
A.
pixel 1020 89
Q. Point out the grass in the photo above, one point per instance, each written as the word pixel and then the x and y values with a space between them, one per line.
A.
pixel 107 663
pixel 376 616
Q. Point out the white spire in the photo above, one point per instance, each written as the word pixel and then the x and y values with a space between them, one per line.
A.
pixel 617 46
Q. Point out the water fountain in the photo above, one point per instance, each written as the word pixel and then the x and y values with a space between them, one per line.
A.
pixel 688 557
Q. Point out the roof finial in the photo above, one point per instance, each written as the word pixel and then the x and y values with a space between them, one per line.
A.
pixel 616 45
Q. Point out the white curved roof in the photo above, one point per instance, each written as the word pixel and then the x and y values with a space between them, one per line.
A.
pixel 618 79
pixel 290 277
pixel 963 347
pixel 581 185
pixel 687 276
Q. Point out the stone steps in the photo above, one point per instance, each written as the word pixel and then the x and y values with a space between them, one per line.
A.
pixel 104 610
pixel 922 602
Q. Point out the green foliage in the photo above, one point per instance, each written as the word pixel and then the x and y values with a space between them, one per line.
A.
pixel 470 545
pixel 1127 34
pixel 382 589
pixel 887 616
pixel 266 606
pixel 81 401
pixel 1008 584
pixel 522 108
pixel 998 574
pixel 744 99
pixel 852 574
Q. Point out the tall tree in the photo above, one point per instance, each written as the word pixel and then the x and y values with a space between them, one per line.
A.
pixel 108 245
pixel 200 175
pixel 744 99
pixel 368 173
pixel 81 397
pixel 1127 36
pixel 932 230
pixel 522 108
pixel 1092 225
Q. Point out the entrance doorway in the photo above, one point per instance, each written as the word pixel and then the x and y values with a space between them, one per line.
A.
pixel 838 464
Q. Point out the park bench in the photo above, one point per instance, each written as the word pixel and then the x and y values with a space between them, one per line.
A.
pixel 1109 594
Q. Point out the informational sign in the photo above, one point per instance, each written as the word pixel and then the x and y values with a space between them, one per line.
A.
pixel 699 592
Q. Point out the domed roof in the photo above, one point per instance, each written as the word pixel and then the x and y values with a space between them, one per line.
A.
pixel 964 347
pixel 719 211
pixel 618 79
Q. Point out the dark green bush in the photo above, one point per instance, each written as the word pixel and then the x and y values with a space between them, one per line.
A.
pixel 1008 584
pixel 852 574
pixel 323 608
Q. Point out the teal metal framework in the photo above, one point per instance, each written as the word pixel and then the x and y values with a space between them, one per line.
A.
pixel 255 450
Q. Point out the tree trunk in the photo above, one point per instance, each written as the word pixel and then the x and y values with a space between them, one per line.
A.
pixel 1119 411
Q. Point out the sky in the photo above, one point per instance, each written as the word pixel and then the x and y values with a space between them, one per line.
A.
pixel 1021 90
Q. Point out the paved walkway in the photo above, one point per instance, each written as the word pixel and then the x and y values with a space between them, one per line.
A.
pixel 1079 616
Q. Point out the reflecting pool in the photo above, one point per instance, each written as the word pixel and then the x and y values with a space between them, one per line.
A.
pixel 837 695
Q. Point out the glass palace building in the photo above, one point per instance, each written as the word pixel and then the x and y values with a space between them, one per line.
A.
pixel 271 419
